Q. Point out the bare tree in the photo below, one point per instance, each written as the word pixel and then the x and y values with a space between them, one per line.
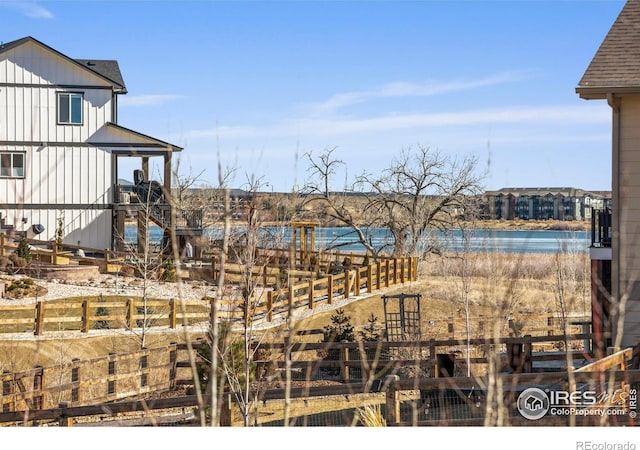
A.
pixel 183 183
pixel 421 191
pixel 146 262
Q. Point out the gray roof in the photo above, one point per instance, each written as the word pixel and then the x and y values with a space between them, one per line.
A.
pixel 615 68
pixel 107 69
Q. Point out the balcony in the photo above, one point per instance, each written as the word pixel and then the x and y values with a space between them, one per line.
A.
pixel 601 232
pixel 128 201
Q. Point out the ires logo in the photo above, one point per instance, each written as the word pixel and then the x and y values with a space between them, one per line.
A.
pixel 535 403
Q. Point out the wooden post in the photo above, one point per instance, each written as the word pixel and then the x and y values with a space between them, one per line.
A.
pixel 347 284
pixel 395 271
pixel 64 420
pixel 386 273
pixel 369 279
pixel 528 355
pixel 173 319
pixel 38 382
pixel 433 358
pixel 130 314
pixel 392 400
pixel 85 316
pixel 269 306
pixel 329 289
pixel 378 267
pixel 39 321
pixel 356 284
pixel 3 239
pixel 311 294
pixel 402 270
pixel 409 269
pixel 265 280
pixel 344 358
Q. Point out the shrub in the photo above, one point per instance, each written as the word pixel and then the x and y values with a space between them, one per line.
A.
pixel 365 260
pixel 169 275
pixel 231 362
pixel 24 251
pixel 372 332
pixel 24 287
pixel 340 329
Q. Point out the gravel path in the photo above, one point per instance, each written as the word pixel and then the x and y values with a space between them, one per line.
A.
pixel 110 285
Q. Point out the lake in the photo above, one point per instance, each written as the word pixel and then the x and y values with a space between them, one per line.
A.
pixel 496 241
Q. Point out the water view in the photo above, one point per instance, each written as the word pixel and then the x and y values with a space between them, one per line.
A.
pixel 497 241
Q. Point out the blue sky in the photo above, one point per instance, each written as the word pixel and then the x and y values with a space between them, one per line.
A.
pixel 255 85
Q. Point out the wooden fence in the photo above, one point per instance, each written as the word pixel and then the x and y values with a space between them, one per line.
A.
pixel 421 401
pixel 358 361
pixel 98 380
pixel 84 315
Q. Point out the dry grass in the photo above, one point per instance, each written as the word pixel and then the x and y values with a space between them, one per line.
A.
pixel 498 288
pixel 22 354
pixel 371 416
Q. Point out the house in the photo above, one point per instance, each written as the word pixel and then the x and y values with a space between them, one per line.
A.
pixel 60 144
pixel 613 75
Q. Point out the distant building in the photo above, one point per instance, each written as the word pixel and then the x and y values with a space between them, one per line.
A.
pixel 544 203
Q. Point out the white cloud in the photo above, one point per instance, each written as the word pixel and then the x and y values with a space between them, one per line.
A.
pixel 147 100
pixel 29 8
pixel 553 116
pixel 405 89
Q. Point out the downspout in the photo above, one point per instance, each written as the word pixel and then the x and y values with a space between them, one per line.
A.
pixel 614 103
pixel 115 232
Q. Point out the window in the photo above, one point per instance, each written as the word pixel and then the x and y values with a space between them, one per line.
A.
pixel 11 165
pixel 70 108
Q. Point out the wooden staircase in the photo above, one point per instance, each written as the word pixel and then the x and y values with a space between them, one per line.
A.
pixel 8 229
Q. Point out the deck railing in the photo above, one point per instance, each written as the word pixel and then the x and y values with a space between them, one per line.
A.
pixel 601 228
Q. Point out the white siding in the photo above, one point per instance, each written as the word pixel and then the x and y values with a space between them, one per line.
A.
pixel 92 228
pixel 54 174
pixel 60 175
pixel 29 113
pixel 32 64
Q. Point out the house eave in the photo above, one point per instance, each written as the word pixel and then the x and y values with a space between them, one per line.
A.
pixel 601 92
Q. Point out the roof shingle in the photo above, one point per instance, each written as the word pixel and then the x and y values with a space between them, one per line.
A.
pixel 616 65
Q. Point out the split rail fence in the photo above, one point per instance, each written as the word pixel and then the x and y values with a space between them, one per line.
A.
pixel 84 315
pixel 115 381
